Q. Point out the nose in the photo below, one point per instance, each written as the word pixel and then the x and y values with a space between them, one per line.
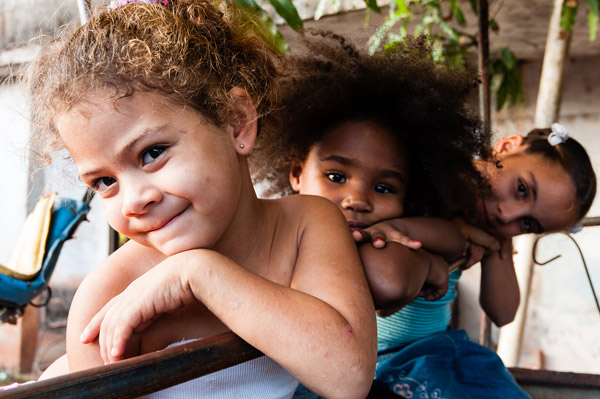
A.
pixel 509 211
pixel 138 196
pixel 357 200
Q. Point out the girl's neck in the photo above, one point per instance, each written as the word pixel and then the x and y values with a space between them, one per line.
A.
pixel 243 233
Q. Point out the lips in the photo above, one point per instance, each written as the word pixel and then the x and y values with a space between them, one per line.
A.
pixel 356 225
pixel 166 223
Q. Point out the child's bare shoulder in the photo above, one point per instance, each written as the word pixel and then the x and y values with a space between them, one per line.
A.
pixel 310 206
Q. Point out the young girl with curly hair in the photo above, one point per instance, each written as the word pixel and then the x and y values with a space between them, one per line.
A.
pixel 159 106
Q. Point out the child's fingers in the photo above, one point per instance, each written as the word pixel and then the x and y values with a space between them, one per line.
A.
pixel 401 238
pixel 483 239
pixel 474 255
pixel 375 237
pixel 92 329
pixel 360 236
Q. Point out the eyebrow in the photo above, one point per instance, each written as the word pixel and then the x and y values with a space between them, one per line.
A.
pixel 353 162
pixel 127 148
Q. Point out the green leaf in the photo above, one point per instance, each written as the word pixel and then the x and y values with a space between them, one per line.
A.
pixel 287 11
pixel 402 7
pixel 592 25
pixel 457 12
pixel 501 95
pixel 509 59
pixel 262 24
pixel 494 25
pixel 592 18
pixel 473 5
pixel 567 17
pixel 372 4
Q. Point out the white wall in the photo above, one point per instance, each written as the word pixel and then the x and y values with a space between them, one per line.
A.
pixel 14 131
pixel 90 245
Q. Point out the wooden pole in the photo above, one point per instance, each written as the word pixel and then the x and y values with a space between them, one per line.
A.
pixel 483 61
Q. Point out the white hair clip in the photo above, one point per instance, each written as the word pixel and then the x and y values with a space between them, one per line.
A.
pixel 559 134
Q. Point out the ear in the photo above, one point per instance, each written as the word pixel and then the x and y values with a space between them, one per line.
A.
pixel 243 121
pixel 508 144
pixel 296 174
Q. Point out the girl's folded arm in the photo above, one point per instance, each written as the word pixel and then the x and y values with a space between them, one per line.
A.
pixel 398 274
pixel 436 235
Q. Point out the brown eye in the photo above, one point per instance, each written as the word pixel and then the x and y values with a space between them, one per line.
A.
pixel 152 153
pixel 384 189
pixel 521 189
pixel 336 177
pixel 103 183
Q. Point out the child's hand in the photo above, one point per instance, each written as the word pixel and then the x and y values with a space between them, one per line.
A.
pixel 479 242
pixel 436 282
pixel 158 291
pixel 382 232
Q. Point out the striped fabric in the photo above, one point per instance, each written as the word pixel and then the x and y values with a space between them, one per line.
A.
pixel 416 320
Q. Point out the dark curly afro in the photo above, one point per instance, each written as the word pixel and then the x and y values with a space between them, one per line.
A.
pixel 402 89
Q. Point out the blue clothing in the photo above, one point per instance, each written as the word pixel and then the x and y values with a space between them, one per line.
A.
pixel 417 320
pixel 447 365
pixel 421 357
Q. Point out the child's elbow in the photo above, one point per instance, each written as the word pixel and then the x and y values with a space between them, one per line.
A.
pixel 389 280
pixel 386 295
pixel 356 387
pixel 503 315
pixel 502 320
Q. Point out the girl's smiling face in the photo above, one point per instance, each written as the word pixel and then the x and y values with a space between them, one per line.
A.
pixel 361 168
pixel 531 194
pixel 167 178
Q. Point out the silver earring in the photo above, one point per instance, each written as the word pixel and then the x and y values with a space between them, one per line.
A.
pixel 242 146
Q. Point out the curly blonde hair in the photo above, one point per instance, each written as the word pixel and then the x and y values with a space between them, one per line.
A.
pixel 192 51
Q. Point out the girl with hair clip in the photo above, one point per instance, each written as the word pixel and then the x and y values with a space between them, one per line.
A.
pixel 159 107
pixel 542 182
pixel 384 146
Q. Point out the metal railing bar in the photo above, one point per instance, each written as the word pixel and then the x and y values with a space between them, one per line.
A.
pixel 143 374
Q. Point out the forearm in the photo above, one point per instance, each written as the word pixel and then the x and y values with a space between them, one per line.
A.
pixel 436 235
pixel 499 293
pixel 270 317
pixel 395 273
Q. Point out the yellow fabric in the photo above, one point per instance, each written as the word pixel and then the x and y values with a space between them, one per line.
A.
pixel 27 257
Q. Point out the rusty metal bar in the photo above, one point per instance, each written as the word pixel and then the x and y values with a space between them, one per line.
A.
pixel 555 378
pixel 591 221
pixel 143 374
